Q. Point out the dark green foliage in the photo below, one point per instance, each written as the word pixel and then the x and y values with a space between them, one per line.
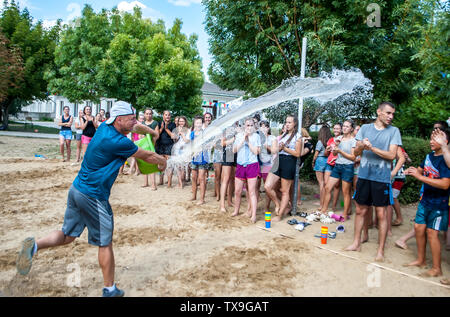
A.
pixel 417 149
pixel 257 44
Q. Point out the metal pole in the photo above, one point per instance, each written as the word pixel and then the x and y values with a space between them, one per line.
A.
pixel 300 118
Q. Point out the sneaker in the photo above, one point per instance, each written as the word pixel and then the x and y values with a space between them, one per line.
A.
pixel 115 293
pixel 24 259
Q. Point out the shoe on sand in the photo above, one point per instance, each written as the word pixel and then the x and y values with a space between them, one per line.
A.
pixel 24 259
pixel 115 293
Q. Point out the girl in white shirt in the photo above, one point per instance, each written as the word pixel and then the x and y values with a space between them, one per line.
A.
pixel 290 148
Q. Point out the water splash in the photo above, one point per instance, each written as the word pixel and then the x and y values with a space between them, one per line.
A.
pixel 327 87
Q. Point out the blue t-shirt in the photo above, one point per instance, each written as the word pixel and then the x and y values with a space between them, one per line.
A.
pixel 372 166
pixel 435 167
pixel 106 153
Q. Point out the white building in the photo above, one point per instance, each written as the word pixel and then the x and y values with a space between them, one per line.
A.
pixel 215 101
pixel 53 108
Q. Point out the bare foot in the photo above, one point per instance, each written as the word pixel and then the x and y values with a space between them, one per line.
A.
pixel 389 233
pixel 364 239
pixel 277 210
pixel 415 263
pixel 223 210
pixel 193 198
pixel 201 202
pixel 153 188
pixel 230 204
pixel 353 248
pixel 276 219
pixel 445 281
pixel 431 273
pixel 379 257
pixel 234 214
pixel 143 186
pixel 253 219
pixel 218 198
pixel 400 244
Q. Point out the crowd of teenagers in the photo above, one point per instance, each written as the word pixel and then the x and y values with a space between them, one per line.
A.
pixel 365 162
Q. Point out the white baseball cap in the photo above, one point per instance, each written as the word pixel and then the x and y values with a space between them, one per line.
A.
pixel 120 108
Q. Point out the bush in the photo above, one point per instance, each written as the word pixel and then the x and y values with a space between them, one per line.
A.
pixel 416 148
pixel 307 173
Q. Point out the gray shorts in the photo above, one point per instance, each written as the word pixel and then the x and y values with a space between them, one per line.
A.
pixel 84 211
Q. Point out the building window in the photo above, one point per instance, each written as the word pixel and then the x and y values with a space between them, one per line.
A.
pixel 108 106
pixel 75 110
pixel 61 107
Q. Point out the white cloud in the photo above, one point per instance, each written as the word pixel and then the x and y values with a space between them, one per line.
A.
pixel 184 3
pixel 48 24
pixel 147 12
pixel 75 10
pixel 129 6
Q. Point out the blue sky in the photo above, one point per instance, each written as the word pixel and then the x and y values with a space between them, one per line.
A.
pixel 191 12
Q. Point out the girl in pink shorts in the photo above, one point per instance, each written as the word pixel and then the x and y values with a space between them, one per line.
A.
pixel 247 146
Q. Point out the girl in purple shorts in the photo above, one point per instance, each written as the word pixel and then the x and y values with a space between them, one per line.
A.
pixel 247 146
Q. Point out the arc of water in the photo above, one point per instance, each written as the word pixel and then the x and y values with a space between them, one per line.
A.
pixel 325 88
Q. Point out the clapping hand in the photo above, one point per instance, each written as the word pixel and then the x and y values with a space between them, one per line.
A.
pixel 335 150
pixel 412 171
pixel 439 137
pixel 367 144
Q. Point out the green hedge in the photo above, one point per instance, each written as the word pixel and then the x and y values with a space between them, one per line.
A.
pixel 416 148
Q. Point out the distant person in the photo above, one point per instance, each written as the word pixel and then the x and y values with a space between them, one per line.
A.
pixel 89 125
pixel 343 169
pixel 331 161
pixel 320 160
pixel 290 147
pixel 154 134
pixel 269 149
pixel 65 133
pixel 228 167
pixel 247 145
pixel 199 164
pixel 79 133
pixel 165 143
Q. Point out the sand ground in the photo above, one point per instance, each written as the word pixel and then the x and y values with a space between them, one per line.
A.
pixel 165 245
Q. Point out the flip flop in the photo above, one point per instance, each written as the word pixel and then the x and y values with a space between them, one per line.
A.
pixel 303 214
pixel 292 221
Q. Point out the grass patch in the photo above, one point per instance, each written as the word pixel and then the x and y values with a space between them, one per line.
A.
pixel 21 127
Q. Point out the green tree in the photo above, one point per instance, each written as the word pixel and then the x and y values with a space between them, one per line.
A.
pixel 257 44
pixel 11 67
pixel 36 47
pixel 124 56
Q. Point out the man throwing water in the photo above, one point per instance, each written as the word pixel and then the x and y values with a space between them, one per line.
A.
pixel 87 202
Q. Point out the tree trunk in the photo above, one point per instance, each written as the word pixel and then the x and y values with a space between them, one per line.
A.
pixel 4 111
